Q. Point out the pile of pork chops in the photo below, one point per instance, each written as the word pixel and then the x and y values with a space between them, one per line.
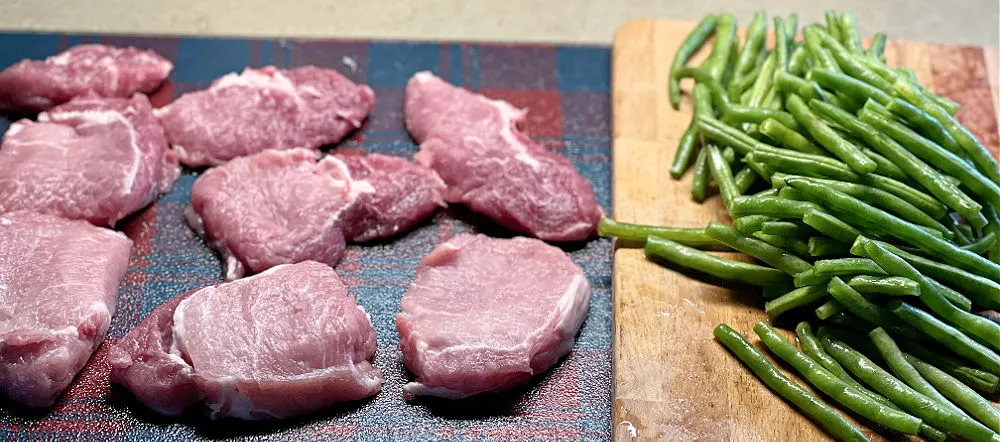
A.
pixel 282 336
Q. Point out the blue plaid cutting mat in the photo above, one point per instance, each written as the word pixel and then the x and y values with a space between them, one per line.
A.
pixel 565 88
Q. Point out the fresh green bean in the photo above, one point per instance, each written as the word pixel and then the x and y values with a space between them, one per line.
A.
pixel 885 166
pixel 877 48
pixel 792 26
pixel 799 297
pixel 885 286
pixel 860 306
pixel 820 246
pixel 806 164
pixel 745 179
pixel 757 166
pixel 770 206
pixel 891 75
pixel 814 44
pixel 685 150
pixel 984 243
pixel 781 44
pixel 930 289
pixel 958 393
pixel 845 84
pixel 759 89
pixel 751 223
pixel 726 135
pixel 825 269
pixel 977 379
pixel 810 405
pixel 774 291
pixel 722 175
pixel 738 113
pixel 699 181
pixel 948 336
pixel 927 125
pixel 637 233
pixel 794 245
pixel 787 228
pixel 976 152
pixel 834 387
pixel 771 255
pixel 894 358
pixel 858 213
pixel 670 251
pixel 703 76
pixel 828 138
pixel 830 308
pixel 797 62
pixel 992 213
pixel 849 34
pixel 791 84
pixel 692 43
pixel 849 64
pixel 830 226
pixel 787 136
pixel 739 85
pixel 901 394
pixel 932 153
pixel 755 38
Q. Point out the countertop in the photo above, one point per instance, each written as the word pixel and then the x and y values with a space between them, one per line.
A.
pixel 971 22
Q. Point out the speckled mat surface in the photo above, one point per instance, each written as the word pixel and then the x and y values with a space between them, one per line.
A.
pixel 566 90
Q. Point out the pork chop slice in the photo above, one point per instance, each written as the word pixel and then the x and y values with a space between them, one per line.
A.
pixel 487 314
pixel 282 343
pixel 93 158
pixel 58 291
pixel 477 146
pixel 281 207
pixel 268 108
pixel 90 69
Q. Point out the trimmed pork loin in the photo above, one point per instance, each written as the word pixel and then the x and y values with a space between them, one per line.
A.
pixel 91 69
pixel 282 207
pixel 58 291
pixel 487 314
pixel 476 145
pixel 93 158
pixel 268 108
pixel 286 342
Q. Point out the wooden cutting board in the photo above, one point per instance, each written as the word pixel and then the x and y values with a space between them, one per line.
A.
pixel 672 380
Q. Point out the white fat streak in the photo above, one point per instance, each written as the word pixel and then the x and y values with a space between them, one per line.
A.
pixel 62 59
pixel 423 76
pixel 418 389
pixel 240 406
pixel 5 221
pixel 106 117
pixel 14 129
pixel 355 188
pixel 253 78
pixel 508 114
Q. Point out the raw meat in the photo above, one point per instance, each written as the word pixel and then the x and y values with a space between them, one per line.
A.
pixel 262 109
pixel 58 291
pixel 281 207
pixel 477 147
pixel 107 71
pixel 98 159
pixel 285 342
pixel 487 314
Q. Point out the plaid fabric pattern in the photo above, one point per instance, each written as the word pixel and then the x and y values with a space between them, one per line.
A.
pixel 566 90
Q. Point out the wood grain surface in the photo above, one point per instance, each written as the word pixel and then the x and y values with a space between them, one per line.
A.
pixel 672 380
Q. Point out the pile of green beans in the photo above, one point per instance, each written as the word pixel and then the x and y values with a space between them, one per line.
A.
pixel 871 214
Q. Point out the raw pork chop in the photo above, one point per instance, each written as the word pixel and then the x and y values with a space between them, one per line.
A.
pixel 281 207
pixel 487 314
pixel 58 290
pixel 477 147
pixel 107 71
pixel 262 109
pixel 98 159
pixel 282 343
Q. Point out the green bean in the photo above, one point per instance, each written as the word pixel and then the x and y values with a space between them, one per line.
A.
pixel 781 40
pixel 787 136
pixel 897 266
pixel 722 175
pixel 738 113
pixel 787 228
pixel 770 206
pixel 797 61
pixel 830 308
pixel 849 34
pixel 703 76
pixel 755 38
pixel 745 179
pixel 637 233
pixel 830 226
pixel 847 85
pixel 685 150
pixel 759 89
pixel 885 167
pixel 901 394
pixel 805 164
pixel 825 269
pixel 751 223
pixel 887 286
pixel 771 255
pixel 860 306
pixel 894 358
pixel 984 243
pixel 726 135
pixel 977 379
pixel 828 138
pixel 729 155
pixel 699 181
pixel 992 214
pixel 821 246
pixel 794 245
pixel 791 84
pixel 891 75
pixel 774 291
pixel 958 393
pixel 814 44
pixel 810 405
pixel 799 297
pixel 739 85
pixel 834 387
pixel 861 214
pixel 976 152
pixel 757 167
pixel 934 154
pixel 849 63
pixel 670 251
pixel 925 124
pixel 877 48
pixel 692 43
pixel 948 336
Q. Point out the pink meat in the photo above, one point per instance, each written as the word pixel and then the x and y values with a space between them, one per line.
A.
pixel 487 314
pixel 262 109
pixel 282 343
pixel 476 145
pixel 105 71
pixel 282 207
pixel 58 291
pixel 98 159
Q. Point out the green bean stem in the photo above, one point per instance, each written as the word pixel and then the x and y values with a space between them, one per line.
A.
pixel 637 233
pixel 692 43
